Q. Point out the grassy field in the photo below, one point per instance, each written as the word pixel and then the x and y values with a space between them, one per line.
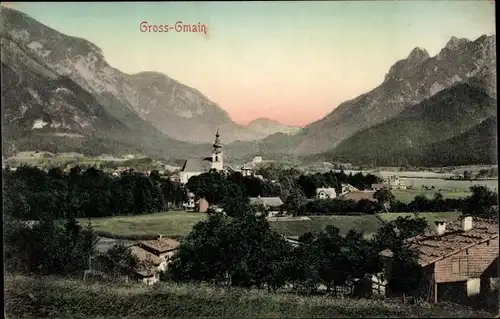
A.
pixel 28 297
pixel 430 217
pixel 180 223
pixel 366 223
pixel 406 196
pixel 172 223
pixel 177 223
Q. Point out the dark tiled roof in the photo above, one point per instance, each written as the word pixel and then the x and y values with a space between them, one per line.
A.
pixel 161 245
pixel 147 262
pixel 198 164
pixel 266 201
pixel 432 247
pixel 380 185
pixel 357 196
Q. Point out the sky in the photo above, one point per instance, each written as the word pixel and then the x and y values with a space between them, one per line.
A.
pixel 293 62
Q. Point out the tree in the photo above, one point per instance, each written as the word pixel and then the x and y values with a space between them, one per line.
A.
pixel 294 202
pixel 383 196
pixel 482 202
pixel 467 175
pixel 118 259
pixel 241 252
pixel 406 274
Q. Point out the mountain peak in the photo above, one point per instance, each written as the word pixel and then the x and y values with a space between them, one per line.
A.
pixel 268 126
pixel 455 42
pixel 418 54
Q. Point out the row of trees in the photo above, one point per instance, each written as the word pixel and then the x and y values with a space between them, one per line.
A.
pixel 58 248
pixel 31 193
pixel 247 252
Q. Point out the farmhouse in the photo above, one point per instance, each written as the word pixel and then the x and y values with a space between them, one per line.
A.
pixel 394 182
pixel 153 257
pixel 459 259
pixel 271 204
pixel 148 266
pixel 323 193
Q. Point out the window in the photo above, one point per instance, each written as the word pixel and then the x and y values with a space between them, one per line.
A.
pixel 464 267
pixel 460 267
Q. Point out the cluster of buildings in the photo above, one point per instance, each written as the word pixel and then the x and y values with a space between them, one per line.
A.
pixel 391 182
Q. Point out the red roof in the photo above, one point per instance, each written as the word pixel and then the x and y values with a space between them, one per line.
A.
pixel 357 196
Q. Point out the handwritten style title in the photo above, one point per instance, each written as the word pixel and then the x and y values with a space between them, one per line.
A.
pixel 179 27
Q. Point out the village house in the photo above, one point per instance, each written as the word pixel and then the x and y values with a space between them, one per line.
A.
pixel 190 204
pixel 326 193
pixel 154 257
pixel 380 186
pixel 347 188
pixel 202 205
pixel 272 205
pixel 459 259
pixel 246 170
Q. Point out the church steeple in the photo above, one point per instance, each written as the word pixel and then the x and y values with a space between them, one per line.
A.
pixel 217 146
pixel 217 160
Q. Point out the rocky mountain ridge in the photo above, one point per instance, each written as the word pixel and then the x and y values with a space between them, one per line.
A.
pixel 407 83
pixel 168 105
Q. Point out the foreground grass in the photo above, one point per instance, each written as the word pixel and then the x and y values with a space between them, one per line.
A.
pixel 369 224
pixel 408 195
pixel 28 297
pixel 430 217
pixel 172 223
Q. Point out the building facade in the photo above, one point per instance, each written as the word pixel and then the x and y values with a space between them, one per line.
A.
pixel 197 166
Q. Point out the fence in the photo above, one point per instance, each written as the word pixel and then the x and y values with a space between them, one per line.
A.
pixel 98 270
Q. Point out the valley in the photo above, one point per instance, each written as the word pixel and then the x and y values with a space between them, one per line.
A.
pixel 347 166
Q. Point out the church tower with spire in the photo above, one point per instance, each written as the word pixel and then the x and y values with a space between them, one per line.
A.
pixel 217 158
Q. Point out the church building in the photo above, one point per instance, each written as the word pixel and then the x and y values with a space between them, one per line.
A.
pixel 200 165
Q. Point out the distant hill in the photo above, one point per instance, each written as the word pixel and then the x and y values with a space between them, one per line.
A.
pixel 476 146
pixel 266 127
pixel 429 132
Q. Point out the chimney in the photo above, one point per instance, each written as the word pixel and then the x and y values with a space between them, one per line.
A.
pixel 467 223
pixel 440 227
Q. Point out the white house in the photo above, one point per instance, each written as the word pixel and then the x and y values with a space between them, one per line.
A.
pixel 324 193
pixel 190 204
pixel 271 204
pixel 348 188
